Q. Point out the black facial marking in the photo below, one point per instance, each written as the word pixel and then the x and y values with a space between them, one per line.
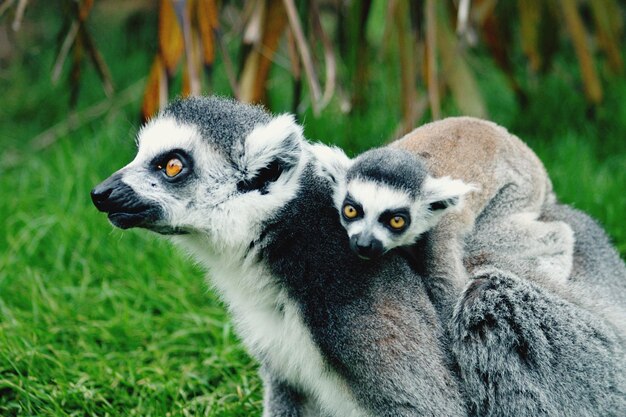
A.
pixel 443 204
pixel 124 207
pixel 159 163
pixel 359 209
pixel 263 178
pixel 387 215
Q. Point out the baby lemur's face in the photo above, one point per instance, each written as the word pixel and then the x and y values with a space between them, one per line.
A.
pixel 388 200
pixel 379 218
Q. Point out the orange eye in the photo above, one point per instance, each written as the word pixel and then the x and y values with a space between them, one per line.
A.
pixel 174 167
pixel 350 211
pixel 397 222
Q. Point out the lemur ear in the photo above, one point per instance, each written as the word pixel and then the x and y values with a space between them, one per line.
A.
pixel 270 150
pixel 444 193
pixel 279 141
pixel 330 162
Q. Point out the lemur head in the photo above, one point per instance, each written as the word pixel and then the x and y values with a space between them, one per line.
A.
pixel 388 200
pixel 207 166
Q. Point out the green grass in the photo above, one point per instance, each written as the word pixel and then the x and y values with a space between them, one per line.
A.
pixel 96 321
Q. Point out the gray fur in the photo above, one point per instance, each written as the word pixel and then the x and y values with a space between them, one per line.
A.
pixel 541 251
pixel 525 349
pixel 545 247
pixel 281 399
pixel 393 167
pixel 222 121
pixel 597 264
pixel 510 179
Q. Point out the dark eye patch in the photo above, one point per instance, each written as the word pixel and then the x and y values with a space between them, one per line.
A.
pixel 263 178
pixel 159 163
pixel 387 215
pixel 349 200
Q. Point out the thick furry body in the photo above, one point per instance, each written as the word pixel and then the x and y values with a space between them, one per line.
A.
pixel 481 152
pixel 330 327
pixel 540 328
pixel 373 320
pixel 530 348
pixel 336 335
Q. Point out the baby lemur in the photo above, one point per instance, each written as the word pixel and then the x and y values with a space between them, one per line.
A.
pixel 439 179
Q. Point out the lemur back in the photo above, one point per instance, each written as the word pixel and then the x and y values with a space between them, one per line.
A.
pixel 504 167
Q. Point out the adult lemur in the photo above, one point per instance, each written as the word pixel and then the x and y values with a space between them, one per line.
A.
pixel 238 188
pixel 336 335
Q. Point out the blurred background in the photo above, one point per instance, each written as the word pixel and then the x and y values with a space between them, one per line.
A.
pixel 96 321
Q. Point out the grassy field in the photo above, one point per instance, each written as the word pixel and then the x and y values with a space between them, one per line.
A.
pixel 96 321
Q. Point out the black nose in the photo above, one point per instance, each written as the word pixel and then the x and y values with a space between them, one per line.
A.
pixel 111 195
pixel 100 195
pixel 366 246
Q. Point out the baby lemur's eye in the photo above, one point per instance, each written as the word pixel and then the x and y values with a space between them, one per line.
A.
pixel 397 222
pixel 173 167
pixel 350 212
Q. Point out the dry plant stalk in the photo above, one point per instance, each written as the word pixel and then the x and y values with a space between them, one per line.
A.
pixel 187 29
pixel 264 32
pixel 189 37
pixel 431 59
pixel 574 24
pixel 79 41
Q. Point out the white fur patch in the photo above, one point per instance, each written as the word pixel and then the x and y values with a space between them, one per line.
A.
pixel 377 197
pixel 445 188
pixel 330 162
pixel 551 244
pixel 270 326
pixel 159 134
pixel 268 141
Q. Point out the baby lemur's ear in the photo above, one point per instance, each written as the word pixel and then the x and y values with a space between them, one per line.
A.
pixel 330 162
pixel 444 193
